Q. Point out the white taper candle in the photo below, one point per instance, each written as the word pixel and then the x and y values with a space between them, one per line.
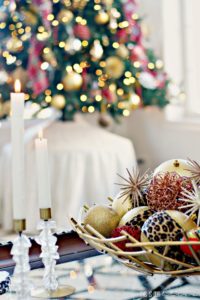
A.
pixel 43 182
pixel 17 142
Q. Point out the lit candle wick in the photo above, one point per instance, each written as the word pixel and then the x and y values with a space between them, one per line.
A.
pixel 17 86
pixel 40 134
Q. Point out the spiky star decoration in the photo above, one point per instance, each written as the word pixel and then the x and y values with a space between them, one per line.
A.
pixel 192 201
pixel 134 185
pixel 194 169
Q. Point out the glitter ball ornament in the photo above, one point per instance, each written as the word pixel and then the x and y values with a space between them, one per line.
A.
pixel 82 31
pixel 136 216
pixel 58 101
pixel 165 189
pixel 134 232
pixel 72 81
pixel 102 18
pixel 102 218
pixel 134 186
pixel 114 67
pixel 180 166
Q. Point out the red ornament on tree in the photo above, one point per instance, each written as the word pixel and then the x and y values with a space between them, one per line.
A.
pixel 82 32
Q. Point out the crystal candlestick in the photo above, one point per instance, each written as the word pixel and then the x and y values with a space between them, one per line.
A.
pixel 49 255
pixel 20 282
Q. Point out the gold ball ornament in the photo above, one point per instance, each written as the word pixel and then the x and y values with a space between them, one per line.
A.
pixel 72 81
pixel 14 44
pixel 102 18
pixel 65 16
pixel 58 101
pixel 122 204
pixel 122 51
pixel 102 218
pixel 180 166
pixel 136 216
pixel 29 17
pixel 114 67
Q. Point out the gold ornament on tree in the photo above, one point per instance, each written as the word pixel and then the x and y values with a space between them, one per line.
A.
pixel 96 50
pixel 65 16
pixel 114 67
pixel 122 51
pixel 30 17
pixel 49 56
pixel 102 17
pixel 72 81
pixel 14 44
pixel 58 101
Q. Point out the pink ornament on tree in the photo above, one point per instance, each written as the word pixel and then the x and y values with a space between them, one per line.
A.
pixel 38 77
pixel 82 32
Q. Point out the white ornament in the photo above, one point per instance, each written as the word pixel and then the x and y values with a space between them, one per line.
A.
pixel 148 81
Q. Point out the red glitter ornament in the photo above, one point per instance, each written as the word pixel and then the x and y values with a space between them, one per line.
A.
pixel 165 189
pixel 133 231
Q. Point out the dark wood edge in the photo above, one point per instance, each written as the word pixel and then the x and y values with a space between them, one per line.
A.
pixel 70 248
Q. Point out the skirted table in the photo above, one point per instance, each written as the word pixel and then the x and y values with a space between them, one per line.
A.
pixel 84 161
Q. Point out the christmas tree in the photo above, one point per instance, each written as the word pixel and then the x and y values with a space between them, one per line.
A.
pixel 78 55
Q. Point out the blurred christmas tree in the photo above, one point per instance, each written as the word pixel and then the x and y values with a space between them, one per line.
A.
pixel 78 55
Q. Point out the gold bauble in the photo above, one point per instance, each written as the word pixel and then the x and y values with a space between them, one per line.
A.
pixel 180 166
pixel 122 51
pixel 29 17
pixel 14 44
pixel 72 81
pixel 50 58
pixel 114 67
pixel 58 101
pixel 21 74
pixel 102 218
pixel 65 16
pixel 102 18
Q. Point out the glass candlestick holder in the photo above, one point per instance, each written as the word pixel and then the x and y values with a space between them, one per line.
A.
pixel 49 255
pixel 20 283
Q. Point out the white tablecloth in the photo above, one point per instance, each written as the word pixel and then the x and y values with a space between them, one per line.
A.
pixel 84 161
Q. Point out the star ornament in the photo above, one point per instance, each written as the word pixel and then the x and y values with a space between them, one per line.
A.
pixel 133 186
pixel 191 201
pixel 194 169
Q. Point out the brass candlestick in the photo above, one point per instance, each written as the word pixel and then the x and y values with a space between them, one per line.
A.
pixel 49 255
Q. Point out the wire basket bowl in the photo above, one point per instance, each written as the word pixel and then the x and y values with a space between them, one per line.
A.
pixel 148 258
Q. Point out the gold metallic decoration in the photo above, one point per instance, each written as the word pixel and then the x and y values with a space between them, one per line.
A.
pixel 102 17
pixel 122 51
pixel 45 213
pixel 61 292
pixel 58 101
pixel 72 81
pixel 114 67
pixel 19 225
pixel 14 44
pixel 65 16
